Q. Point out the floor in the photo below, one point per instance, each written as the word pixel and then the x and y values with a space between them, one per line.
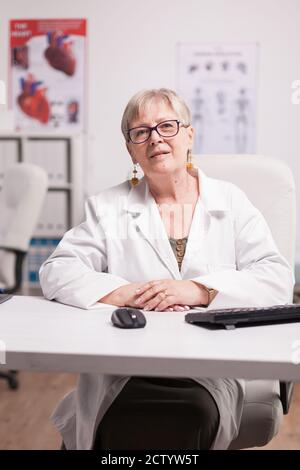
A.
pixel 25 414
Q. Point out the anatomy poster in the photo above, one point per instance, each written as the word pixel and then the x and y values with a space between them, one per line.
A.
pixel 47 85
pixel 219 83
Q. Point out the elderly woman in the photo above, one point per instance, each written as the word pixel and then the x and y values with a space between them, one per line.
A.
pixel 170 241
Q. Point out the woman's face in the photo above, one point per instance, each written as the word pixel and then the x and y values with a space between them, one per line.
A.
pixel 160 154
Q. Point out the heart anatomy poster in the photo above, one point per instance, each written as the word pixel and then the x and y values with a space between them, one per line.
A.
pixel 219 84
pixel 47 74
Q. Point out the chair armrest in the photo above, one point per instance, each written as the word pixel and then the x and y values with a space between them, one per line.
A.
pixel 20 255
pixel 286 392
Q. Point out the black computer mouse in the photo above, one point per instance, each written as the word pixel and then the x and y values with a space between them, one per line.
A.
pixel 126 317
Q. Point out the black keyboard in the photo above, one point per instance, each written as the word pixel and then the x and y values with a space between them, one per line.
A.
pixel 4 297
pixel 232 317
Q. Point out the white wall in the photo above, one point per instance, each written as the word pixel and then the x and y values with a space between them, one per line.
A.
pixel 132 46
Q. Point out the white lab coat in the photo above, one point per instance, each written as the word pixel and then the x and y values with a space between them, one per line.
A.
pixel 123 240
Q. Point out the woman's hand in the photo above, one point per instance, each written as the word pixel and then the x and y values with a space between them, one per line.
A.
pixel 176 308
pixel 166 293
pixel 127 296
pixel 123 296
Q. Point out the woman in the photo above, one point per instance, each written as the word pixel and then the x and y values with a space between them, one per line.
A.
pixel 174 240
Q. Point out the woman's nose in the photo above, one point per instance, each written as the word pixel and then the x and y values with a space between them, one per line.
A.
pixel 155 137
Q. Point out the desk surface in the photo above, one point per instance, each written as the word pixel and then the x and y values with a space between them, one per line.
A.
pixel 47 336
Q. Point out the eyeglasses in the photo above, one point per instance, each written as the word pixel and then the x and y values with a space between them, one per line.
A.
pixel 170 128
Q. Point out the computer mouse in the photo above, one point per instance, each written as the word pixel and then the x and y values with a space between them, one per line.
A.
pixel 126 317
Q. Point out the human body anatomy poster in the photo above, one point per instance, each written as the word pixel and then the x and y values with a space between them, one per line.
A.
pixel 219 83
pixel 47 85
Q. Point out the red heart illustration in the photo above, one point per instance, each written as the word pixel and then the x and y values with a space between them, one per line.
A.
pixel 59 54
pixel 33 101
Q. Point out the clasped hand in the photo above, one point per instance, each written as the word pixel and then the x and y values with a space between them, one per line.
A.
pixel 160 295
pixel 168 295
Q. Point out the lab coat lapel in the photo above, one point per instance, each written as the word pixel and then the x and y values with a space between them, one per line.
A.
pixel 210 203
pixel 144 215
pixel 201 217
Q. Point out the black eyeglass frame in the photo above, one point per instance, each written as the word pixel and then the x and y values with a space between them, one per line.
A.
pixel 155 128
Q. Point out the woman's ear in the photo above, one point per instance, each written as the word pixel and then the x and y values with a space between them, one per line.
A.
pixel 191 132
pixel 130 153
pixel 128 149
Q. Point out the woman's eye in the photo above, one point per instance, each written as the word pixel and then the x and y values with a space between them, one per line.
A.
pixel 140 132
pixel 166 125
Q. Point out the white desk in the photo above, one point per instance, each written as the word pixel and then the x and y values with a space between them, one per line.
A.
pixel 46 336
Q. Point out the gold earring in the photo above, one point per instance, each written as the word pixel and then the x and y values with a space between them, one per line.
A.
pixel 134 180
pixel 189 162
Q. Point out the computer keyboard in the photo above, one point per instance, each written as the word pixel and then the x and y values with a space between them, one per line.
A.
pixel 4 297
pixel 231 317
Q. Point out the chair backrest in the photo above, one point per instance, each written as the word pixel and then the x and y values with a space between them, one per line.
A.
pixel 21 198
pixel 269 185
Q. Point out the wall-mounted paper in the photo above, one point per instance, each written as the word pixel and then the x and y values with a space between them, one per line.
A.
pixel 47 74
pixel 219 83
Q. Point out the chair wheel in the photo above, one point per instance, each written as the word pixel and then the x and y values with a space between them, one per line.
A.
pixel 13 383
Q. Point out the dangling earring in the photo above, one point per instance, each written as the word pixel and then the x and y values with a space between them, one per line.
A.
pixel 134 180
pixel 189 162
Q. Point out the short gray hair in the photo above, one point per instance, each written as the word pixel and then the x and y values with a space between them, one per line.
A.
pixel 139 101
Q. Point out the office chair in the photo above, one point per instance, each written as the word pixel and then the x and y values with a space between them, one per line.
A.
pixel 21 198
pixel 269 185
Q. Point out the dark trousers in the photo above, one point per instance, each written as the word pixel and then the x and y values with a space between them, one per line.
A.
pixel 159 413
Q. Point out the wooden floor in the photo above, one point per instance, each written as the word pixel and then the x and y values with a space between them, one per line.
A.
pixel 25 414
